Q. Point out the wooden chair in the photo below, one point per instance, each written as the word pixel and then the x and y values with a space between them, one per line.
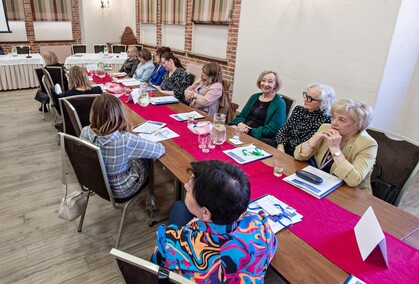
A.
pixel 118 48
pixel 289 104
pixel 137 270
pixel 99 48
pixel 398 157
pixel 78 48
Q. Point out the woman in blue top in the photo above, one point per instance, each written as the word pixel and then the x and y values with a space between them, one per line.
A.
pixel 264 113
pixel 145 68
pixel 159 70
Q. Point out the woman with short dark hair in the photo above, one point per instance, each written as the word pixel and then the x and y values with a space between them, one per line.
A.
pixel 145 67
pixel 159 70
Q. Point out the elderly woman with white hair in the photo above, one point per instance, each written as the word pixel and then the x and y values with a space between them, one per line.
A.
pixel 305 120
pixel 343 148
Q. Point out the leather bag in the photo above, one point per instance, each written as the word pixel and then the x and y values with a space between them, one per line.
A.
pixel 72 205
pixel 382 189
pixel 42 97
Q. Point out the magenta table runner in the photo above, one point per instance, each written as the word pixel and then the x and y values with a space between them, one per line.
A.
pixel 326 227
pixel 329 229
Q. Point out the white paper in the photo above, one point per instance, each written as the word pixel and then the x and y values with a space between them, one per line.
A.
pixel 91 67
pixel 129 82
pixel 134 96
pixel 247 154
pixel 118 74
pixel 149 127
pixel 369 234
pixel 330 182
pixel 163 100
pixel 160 135
pixel 184 116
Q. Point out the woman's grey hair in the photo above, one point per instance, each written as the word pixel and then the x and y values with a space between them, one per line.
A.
pixel 327 96
pixel 359 112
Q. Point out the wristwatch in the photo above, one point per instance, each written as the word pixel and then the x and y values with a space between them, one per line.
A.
pixel 337 154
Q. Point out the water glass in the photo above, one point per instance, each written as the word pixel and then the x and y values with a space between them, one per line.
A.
pixel 236 134
pixel 279 167
pixel 203 142
pixel 144 99
pixel 213 140
pixel 190 119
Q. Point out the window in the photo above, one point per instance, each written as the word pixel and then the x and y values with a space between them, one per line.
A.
pixel 173 23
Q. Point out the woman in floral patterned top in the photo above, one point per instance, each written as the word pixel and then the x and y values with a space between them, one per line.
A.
pixel 175 80
pixel 224 244
pixel 305 120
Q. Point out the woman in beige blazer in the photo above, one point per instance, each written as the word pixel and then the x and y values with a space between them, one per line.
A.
pixel 343 147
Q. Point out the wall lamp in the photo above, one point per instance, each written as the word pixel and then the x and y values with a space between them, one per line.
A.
pixel 104 4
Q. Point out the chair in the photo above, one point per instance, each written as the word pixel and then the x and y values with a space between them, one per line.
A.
pixel 23 49
pixel 118 48
pixel 75 111
pixel 90 171
pixel 398 158
pixel 138 270
pixel 138 46
pixel 289 104
pixel 57 75
pixel 53 100
pixel 39 74
pixel 78 48
pixel 99 48
pixel 191 78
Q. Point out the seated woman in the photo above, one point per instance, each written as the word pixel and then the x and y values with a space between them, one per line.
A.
pixel 159 70
pixel 175 80
pixel 343 147
pixel 305 120
pixel 145 68
pixel 51 60
pixel 127 156
pixel 131 63
pixel 224 244
pixel 79 83
pixel 206 92
pixel 264 113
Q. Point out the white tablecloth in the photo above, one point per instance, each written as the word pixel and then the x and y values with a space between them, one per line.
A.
pixel 18 72
pixel 113 60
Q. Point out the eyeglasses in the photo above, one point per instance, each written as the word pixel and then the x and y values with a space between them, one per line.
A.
pixel 309 98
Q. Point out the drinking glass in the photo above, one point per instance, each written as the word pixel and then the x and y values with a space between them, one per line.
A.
pixel 203 142
pixel 144 99
pixel 236 134
pixel 212 141
pixel 279 167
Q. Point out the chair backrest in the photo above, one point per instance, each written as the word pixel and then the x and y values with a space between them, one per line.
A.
pixel 99 48
pixel 289 104
pixel 71 121
pixel 118 48
pixel 23 49
pixel 57 76
pixel 87 162
pixel 48 88
pixel 138 270
pixel 78 48
pixel 398 157
pixel 138 46
pixel 82 104
pixel 226 105
pixel 191 78
pixel 39 74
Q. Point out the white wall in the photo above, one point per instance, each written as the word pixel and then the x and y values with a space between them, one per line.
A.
pixel 101 25
pixel 340 43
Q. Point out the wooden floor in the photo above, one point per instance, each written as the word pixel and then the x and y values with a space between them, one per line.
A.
pixel 38 247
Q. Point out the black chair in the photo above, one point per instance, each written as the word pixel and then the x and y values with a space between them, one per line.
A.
pixel 398 158
pixel 58 76
pixel 138 270
pixel 118 48
pixel 39 74
pixel 75 111
pixel 138 46
pixel 191 78
pixel 78 48
pixel 23 49
pixel 53 98
pixel 99 48
pixel 289 104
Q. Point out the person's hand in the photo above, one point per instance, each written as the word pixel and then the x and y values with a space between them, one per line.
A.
pixel 332 137
pixel 280 147
pixel 243 127
pixel 192 221
pixel 157 87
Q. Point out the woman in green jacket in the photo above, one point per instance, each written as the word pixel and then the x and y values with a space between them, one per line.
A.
pixel 264 113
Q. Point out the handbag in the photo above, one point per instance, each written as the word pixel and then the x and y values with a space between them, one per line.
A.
pixel 42 97
pixel 382 189
pixel 72 205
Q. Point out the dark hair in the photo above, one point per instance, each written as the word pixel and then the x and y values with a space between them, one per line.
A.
pixel 145 54
pixel 169 55
pixel 223 188
pixel 162 50
pixel 107 115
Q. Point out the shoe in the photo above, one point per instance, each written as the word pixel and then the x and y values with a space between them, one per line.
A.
pixel 45 109
pixel 59 127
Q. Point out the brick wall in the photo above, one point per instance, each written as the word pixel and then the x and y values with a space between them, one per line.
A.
pixel 30 32
pixel 228 66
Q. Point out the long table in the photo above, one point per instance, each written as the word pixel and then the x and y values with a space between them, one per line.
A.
pixel 17 72
pixel 112 60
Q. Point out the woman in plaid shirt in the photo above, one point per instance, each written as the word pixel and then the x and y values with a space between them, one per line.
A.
pixel 127 157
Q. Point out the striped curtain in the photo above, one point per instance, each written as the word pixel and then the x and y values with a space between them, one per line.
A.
pixel 51 10
pixel 15 10
pixel 173 12
pixel 148 11
pixel 212 11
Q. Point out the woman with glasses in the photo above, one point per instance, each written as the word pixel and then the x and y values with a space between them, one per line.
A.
pixel 175 80
pixel 206 92
pixel 305 120
pixel 343 148
pixel 264 113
